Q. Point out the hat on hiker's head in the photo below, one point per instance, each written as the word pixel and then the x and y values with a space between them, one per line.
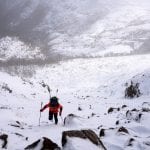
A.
pixel 54 101
pixel 54 98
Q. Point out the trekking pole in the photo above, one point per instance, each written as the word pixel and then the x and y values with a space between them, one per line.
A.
pixel 40 113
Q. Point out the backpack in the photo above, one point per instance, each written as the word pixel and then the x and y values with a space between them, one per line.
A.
pixel 54 102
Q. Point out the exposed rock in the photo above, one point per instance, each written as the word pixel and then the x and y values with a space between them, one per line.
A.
pixel 99 126
pixel 132 90
pixel 117 122
pixel 79 108
pixel 33 145
pixel 128 113
pixel 6 88
pixel 130 143
pixel 133 115
pixel 146 107
pixel 18 134
pixel 123 129
pixel 124 106
pixel 4 107
pixel 147 143
pixel 17 126
pixel 138 117
pixel 92 137
pixel 70 119
pixel 47 144
pixel 72 133
pixel 135 110
pixel 43 84
pixel 111 128
pixel 110 110
pixel 4 138
pixel 84 134
pixel 102 133
pixel 118 109
pixel 93 114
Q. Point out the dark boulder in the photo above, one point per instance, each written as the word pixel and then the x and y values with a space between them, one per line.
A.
pixel 33 145
pixel 47 145
pixel 83 134
pixel 123 129
pixel 130 142
pixel 4 138
pixel 132 90
pixel 117 122
pixel 134 115
pixel 124 106
pixel 102 133
pixel 146 107
pixel 110 110
pixel 71 119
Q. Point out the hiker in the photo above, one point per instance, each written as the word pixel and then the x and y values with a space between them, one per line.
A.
pixel 54 108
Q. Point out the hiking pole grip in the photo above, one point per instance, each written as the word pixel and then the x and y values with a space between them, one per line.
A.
pixel 40 113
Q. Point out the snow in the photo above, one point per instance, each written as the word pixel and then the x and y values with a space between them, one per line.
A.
pixel 76 143
pixel 81 28
pixel 94 85
pixel 121 31
pixel 76 28
pixel 13 48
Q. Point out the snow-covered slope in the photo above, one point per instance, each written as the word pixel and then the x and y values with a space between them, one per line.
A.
pixel 78 28
pixel 92 89
pixel 13 48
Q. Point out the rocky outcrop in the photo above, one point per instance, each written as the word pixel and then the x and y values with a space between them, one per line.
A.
pixel 132 90
pixel 5 87
pixel 102 133
pixel 134 115
pixel 110 110
pixel 4 138
pixel 123 130
pixel 46 144
pixel 83 134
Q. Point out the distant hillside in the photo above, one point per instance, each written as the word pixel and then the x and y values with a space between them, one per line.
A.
pixel 78 28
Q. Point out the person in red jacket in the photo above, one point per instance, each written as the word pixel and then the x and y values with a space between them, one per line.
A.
pixel 54 108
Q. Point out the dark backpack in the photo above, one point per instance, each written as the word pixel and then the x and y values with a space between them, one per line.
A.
pixel 54 102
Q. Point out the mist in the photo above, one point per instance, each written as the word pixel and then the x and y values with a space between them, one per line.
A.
pixel 81 28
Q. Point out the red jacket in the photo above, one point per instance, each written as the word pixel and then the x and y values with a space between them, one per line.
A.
pixel 53 109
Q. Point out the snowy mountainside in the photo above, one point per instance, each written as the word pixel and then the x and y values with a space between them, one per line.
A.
pixel 96 86
pixel 77 28
pixel 13 48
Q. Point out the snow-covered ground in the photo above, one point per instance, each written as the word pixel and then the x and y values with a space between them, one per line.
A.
pixel 93 85
pixel 13 48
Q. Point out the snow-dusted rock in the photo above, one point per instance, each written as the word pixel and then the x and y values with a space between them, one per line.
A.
pixel 43 144
pixel 86 136
pixel 72 120
pixel 4 138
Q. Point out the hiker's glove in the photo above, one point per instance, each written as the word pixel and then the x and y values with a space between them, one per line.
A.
pixel 41 110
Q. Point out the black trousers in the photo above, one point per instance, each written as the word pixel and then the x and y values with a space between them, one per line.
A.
pixel 51 114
